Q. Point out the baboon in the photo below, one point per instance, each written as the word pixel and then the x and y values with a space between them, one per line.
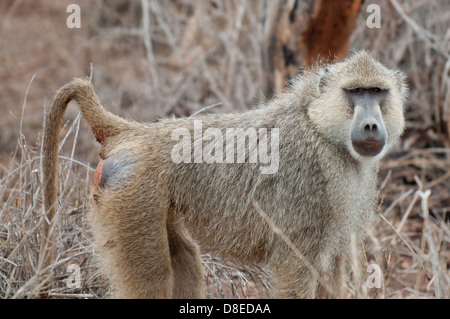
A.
pixel 151 215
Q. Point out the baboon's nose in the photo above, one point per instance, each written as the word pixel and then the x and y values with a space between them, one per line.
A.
pixel 369 137
pixel 371 127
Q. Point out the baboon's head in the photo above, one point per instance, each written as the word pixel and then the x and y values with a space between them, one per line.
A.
pixel 360 105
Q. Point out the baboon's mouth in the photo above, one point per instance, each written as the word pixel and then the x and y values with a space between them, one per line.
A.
pixel 369 147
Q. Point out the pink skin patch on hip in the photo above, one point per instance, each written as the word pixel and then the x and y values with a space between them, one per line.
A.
pixel 98 174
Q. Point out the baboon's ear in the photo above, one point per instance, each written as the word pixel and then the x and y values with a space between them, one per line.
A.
pixel 323 79
pixel 402 82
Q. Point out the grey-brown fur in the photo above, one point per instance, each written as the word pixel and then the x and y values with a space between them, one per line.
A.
pixel 148 216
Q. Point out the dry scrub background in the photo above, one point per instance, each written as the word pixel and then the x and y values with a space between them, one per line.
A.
pixel 185 55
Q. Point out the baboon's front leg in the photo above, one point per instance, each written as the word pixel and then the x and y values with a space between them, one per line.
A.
pixel 293 281
pixel 335 280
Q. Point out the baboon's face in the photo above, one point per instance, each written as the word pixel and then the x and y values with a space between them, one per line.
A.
pixel 368 132
pixel 360 106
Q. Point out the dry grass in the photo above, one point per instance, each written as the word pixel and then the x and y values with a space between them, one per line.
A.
pixel 180 57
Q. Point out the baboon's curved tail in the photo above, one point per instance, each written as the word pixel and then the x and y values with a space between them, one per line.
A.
pixel 102 123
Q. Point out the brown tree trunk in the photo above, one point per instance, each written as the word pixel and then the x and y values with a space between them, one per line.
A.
pixel 298 32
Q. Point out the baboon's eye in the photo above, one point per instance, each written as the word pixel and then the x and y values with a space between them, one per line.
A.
pixel 375 90
pixel 356 91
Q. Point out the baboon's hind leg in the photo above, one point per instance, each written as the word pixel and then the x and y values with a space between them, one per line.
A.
pixel 134 245
pixel 186 264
